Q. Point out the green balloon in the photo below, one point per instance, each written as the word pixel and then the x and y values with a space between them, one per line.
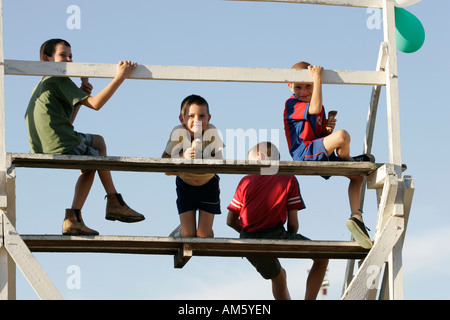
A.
pixel 410 33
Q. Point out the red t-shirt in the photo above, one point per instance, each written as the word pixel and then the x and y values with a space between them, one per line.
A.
pixel 262 201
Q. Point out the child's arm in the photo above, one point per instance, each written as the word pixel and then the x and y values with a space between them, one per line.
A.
pixel 234 221
pixel 315 105
pixel 124 70
pixel 292 221
pixel 86 87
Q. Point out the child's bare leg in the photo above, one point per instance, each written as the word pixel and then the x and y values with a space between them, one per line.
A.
pixel 315 278
pixel 354 192
pixel 205 223
pixel 105 175
pixel 339 141
pixel 188 223
pixel 82 189
pixel 355 223
pixel 279 286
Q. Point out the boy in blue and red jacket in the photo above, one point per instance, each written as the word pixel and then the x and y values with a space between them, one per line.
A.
pixel 311 137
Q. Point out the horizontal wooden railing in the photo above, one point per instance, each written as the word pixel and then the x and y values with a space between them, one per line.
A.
pixel 191 73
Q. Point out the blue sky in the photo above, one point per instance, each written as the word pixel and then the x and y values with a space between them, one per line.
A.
pixel 138 119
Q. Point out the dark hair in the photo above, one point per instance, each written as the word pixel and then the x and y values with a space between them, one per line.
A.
pixel 192 99
pixel 48 47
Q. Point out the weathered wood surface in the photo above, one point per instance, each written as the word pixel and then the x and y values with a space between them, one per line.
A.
pixel 192 73
pixel 223 247
pixel 340 168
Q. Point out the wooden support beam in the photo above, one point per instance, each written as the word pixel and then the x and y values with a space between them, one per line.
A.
pixel 188 73
pixel 340 168
pixel 219 247
pixel 7 265
pixel 3 197
pixel 392 287
pixel 374 99
pixel 1 229
pixel 26 262
pixel 347 3
pixel 387 202
pixel 183 255
pixel 392 97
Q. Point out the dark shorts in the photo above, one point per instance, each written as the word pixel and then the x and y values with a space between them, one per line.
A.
pixel 316 152
pixel 269 267
pixel 205 197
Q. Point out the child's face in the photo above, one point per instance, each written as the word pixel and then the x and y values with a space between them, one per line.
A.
pixel 62 53
pixel 195 112
pixel 302 91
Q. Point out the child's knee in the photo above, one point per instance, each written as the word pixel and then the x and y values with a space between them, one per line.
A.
pixel 99 144
pixel 343 137
pixel 205 233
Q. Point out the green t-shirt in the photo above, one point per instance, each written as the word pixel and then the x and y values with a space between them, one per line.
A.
pixel 49 115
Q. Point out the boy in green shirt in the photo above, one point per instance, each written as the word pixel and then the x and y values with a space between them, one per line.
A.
pixel 51 111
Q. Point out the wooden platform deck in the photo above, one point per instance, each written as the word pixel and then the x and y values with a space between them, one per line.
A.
pixel 340 168
pixel 184 248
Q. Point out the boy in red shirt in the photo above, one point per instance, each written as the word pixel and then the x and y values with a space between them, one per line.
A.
pixel 260 207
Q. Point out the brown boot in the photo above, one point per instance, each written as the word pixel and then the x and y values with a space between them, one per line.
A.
pixel 73 224
pixel 117 209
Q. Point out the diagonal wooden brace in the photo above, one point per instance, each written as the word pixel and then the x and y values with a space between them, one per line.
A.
pixel 27 263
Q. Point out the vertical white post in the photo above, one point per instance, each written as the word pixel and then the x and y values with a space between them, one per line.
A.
pixel 7 264
pixel 393 111
pixel 5 261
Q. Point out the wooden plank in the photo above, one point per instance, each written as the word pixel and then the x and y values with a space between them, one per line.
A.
pixel 7 265
pixel 191 73
pixel 183 255
pixel 395 262
pixel 222 247
pixel 374 99
pixel 26 262
pixel 340 168
pixel 347 3
pixel 387 203
pixel 1 228
pixel 3 168
pixel 393 111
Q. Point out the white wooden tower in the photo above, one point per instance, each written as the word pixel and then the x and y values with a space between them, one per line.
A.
pixel 394 190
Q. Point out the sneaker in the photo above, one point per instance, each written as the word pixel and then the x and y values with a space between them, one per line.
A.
pixel 176 233
pixel 366 157
pixel 358 230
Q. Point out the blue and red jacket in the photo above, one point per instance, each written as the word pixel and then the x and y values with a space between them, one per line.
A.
pixel 302 128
